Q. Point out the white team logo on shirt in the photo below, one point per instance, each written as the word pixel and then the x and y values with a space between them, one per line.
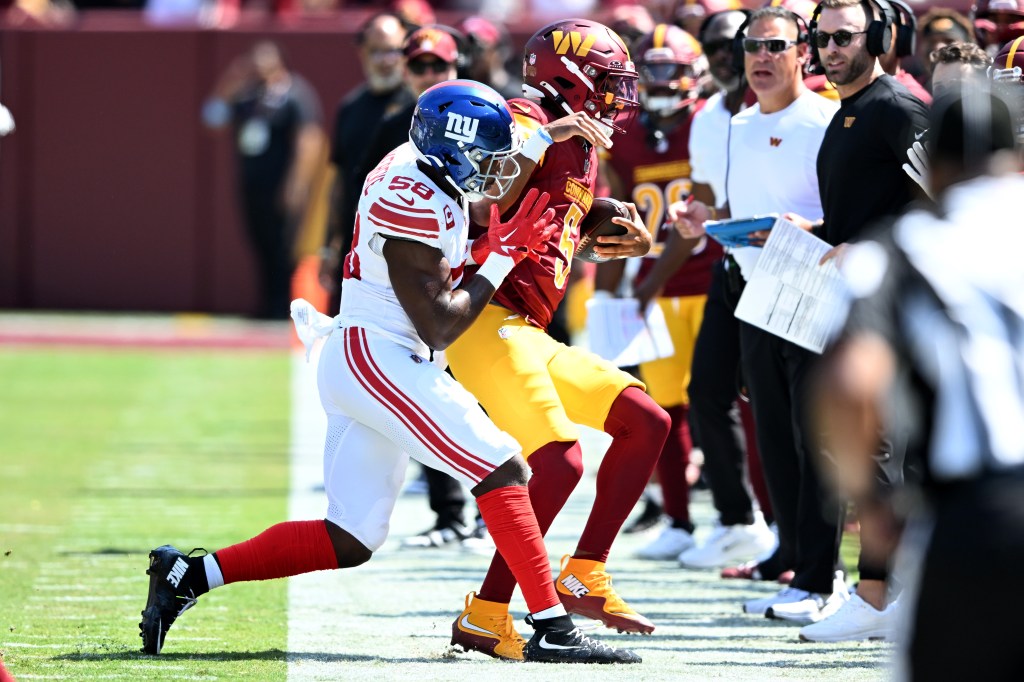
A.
pixel 461 128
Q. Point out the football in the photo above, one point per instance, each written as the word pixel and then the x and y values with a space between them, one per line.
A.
pixel 597 223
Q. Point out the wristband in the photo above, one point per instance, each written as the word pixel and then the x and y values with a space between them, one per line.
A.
pixel 536 145
pixel 496 268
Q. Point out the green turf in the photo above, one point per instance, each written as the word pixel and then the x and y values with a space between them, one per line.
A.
pixel 106 454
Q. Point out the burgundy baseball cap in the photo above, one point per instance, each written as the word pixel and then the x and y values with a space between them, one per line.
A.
pixel 433 41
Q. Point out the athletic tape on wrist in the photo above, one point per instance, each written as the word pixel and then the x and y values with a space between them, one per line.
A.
pixel 536 145
pixel 496 268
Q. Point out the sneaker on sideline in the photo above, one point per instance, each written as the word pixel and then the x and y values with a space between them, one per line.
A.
pixel 479 541
pixel 815 607
pixel 648 518
pixel 670 544
pixel 855 620
pixel 786 595
pixel 729 544
pixel 752 571
pixel 443 536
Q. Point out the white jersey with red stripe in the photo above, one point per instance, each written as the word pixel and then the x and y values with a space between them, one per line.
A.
pixel 398 201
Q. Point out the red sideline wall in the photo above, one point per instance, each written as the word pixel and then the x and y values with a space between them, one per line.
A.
pixel 113 196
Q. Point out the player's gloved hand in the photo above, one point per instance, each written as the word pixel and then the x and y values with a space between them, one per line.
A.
pixel 917 168
pixel 526 231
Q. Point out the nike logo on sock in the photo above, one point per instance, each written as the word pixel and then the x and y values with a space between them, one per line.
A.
pixel 469 626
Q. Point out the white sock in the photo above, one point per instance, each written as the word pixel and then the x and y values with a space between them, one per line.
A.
pixel 213 575
pixel 551 612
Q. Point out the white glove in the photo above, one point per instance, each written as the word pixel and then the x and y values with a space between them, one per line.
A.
pixel 6 121
pixel 310 323
pixel 917 169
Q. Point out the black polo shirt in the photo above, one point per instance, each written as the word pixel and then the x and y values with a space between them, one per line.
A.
pixel 860 163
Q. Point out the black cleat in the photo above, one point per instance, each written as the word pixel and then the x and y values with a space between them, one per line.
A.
pixel 647 519
pixel 168 596
pixel 572 646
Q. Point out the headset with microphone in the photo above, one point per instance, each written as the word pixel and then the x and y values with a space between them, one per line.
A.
pixel 878 34
pixel 906 28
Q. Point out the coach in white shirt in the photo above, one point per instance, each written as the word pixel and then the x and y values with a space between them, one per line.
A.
pixel 773 148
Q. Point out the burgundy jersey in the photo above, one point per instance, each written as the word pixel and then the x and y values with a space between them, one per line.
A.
pixel 568 172
pixel 655 172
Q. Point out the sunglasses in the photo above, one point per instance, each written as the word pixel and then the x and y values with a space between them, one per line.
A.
pixel 714 46
pixel 420 67
pixel 773 45
pixel 842 37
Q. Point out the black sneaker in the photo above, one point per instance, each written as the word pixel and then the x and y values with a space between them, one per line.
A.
pixel 572 646
pixel 169 596
pixel 439 536
pixel 648 518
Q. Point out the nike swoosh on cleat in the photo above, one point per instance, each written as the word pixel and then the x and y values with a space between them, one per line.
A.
pixel 469 626
pixel 545 644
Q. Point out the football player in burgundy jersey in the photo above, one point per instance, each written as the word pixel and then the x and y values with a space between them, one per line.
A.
pixel 536 388
pixel 650 166
pixel 405 292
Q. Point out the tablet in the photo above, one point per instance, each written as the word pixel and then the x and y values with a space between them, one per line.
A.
pixel 736 232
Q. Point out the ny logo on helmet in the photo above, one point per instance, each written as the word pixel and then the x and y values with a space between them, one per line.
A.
pixel 461 128
pixel 579 45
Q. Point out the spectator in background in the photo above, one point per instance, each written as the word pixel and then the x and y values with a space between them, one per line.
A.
pixel 489 50
pixel 275 116
pixel 380 43
pixel 631 21
pixel 956 62
pixel 690 14
pixel 904 37
pixel 997 22
pixel 937 27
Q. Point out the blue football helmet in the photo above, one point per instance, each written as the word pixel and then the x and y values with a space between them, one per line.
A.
pixel 466 129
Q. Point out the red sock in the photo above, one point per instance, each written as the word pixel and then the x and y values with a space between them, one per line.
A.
pixel 557 468
pixel 638 428
pixel 286 549
pixel 675 456
pixel 513 527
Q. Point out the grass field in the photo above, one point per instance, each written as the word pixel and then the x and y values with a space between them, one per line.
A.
pixel 108 453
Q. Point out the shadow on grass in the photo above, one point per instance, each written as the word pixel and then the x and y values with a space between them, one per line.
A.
pixel 229 656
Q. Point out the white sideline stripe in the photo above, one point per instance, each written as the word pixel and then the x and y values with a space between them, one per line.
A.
pixel 316 601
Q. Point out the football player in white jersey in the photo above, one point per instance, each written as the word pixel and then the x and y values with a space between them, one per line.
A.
pixel 385 401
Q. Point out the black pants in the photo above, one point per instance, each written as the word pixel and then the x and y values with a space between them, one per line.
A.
pixel 713 412
pixel 966 623
pixel 808 517
pixel 269 234
pixel 447 498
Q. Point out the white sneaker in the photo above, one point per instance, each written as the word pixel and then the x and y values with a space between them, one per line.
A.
pixel 854 621
pixel 671 543
pixel 816 607
pixel 730 545
pixel 787 595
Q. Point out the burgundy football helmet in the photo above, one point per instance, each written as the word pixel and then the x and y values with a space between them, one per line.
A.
pixel 1008 75
pixel 673 70
pixel 580 65
pixel 997 21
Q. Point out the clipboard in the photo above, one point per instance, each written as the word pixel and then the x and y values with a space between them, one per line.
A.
pixel 735 233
